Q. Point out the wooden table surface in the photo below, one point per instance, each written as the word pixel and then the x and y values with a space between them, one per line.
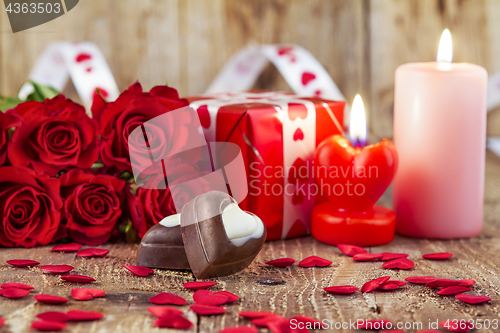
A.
pixel 126 302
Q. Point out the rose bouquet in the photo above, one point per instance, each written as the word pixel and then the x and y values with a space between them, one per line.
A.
pixel 65 175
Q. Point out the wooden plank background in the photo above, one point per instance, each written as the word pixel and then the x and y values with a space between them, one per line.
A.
pixel 185 42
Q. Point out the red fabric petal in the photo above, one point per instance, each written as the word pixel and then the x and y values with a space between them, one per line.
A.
pixel 80 315
pixel 467 282
pixel 256 314
pixel 401 263
pixel 139 270
pixel 46 326
pixel 367 256
pixel 437 256
pixel 53 316
pixel 282 262
pixel 462 326
pixel 375 324
pixel 314 261
pixel 57 268
pixel 472 299
pixel 2 321
pixel 268 320
pixel 453 290
pixel 374 284
pixel 167 298
pixel 16 285
pixel 240 329
pixel 420 279
pixel 341 290
pixel 438 283
pixel 84 294
pixel 77 278
pixel 207 310
pixel 206 297
pixel 392 285
pixel 92 252
pixel 71 247
pixel 23 263
pixel 386 256
pixel 14 293
pixel 164 311
pixel 199 285
pixel 50 299
pixel 174 321
pixel 350 250
pixel 230 296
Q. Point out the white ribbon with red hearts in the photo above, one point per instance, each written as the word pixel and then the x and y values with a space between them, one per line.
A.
pixel 299 142
pixel 83 62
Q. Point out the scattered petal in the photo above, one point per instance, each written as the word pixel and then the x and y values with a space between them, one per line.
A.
pixel 256 314
pixel 367 257
pixel 420 279
pixel 81 315
pixel 386 256
pixel 453 290
pixel 53 316
pixel 14 293
pixel 2 321
pixel 57 269
pixel 70 247
pixel 268 320
pixel 230 296
pixel 175 321
pixel 167 298
pixel 50 299
pixel 350 250
pixel 199 285
pixel 314 261
pixel 374 284
pixel 206 310
pixel 461 326
pixel 341 290
pixel 437 256
pixel 282 262
pixel 23 263
pixel 392 285
pixel 16 285
pixel 206 297
pixel 240 329
pixel 439 283
pixel 139 270
pixel 92 252
pixel 467 282
pixel 77 278
pixel 164 311
pixel 84 294
pixel 401 263
pixel 375 324
pixel 46 326
pixel 472 299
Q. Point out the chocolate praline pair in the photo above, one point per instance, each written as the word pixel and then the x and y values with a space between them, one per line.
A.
pixel 211 236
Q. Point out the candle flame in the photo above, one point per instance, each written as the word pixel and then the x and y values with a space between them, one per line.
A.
pixel 357 129
pixel 445 50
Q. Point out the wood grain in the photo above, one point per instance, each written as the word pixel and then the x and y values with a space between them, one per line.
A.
pixel 126 302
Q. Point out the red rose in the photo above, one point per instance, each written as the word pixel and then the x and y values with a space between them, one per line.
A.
pixel 55 135
pixel 149 206
pixel 7 121
pixel 133 108
pixel 30 207
pixel 92 205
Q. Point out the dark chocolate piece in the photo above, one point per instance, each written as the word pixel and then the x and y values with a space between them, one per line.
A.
pixel 209 250
pixel 162 247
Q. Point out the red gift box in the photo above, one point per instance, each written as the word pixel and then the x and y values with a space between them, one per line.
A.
pixel 277 134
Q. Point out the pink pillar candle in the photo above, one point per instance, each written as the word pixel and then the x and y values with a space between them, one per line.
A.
pixel 440 135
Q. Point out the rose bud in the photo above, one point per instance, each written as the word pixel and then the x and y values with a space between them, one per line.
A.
pixel 218 238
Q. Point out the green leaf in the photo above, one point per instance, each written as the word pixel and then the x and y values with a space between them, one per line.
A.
pixel 8 102
pixel 41 92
